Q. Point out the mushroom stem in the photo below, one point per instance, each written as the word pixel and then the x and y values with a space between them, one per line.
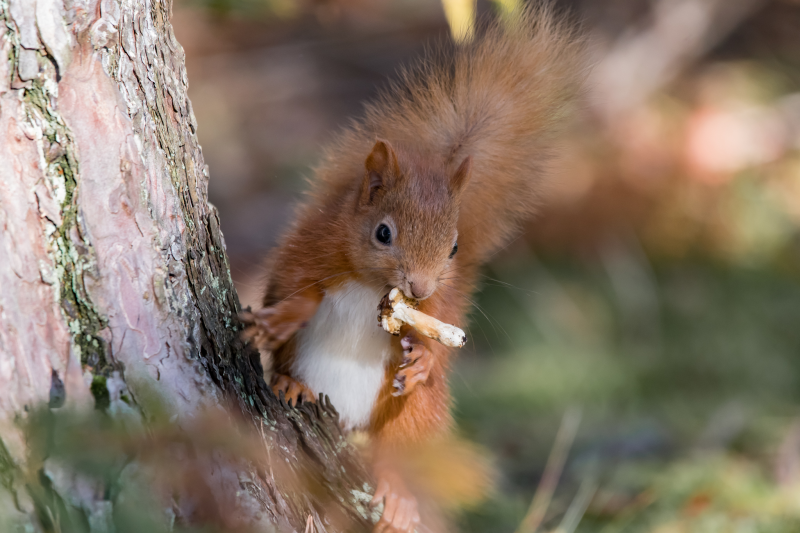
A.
pixel 397 309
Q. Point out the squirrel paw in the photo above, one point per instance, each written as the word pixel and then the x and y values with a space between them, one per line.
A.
pixel 415 368
pixel 400 512
pixel 267 328
pixel 294 391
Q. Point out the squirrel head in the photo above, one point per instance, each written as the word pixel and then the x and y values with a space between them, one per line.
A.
pixel 406 219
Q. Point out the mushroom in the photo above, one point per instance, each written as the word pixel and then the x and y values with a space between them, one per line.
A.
pixel 397 309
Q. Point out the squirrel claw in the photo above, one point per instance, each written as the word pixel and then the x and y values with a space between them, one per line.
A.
pixel 293 391
pixel 399 385
pixel 269 327
pixel 415 368
pixel 259 328
pixel 406 361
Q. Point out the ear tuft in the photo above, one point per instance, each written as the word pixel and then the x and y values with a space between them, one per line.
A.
pixel 381 166
pixel 460 178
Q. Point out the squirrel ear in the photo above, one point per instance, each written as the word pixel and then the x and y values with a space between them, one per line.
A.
pixel 381 166
pixel 461 176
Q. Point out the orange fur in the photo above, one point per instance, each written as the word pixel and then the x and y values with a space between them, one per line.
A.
pixel 458 146
pixel 500 99
pixel 425 413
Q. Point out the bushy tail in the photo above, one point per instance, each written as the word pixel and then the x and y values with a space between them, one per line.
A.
pixel 500 99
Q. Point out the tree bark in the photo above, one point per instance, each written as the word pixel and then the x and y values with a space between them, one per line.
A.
pixel 114 282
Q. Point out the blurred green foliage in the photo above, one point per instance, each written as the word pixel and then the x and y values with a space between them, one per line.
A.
pixel 687 374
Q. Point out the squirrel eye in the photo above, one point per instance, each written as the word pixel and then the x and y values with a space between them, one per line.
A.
pixel 454 250
pixel 384 234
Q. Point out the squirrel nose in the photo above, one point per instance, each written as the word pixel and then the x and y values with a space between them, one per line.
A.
pixel 420 289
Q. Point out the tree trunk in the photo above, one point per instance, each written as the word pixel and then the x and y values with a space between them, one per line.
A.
pixel 114 282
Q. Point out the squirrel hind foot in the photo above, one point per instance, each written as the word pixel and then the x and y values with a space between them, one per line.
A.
pixel 293 390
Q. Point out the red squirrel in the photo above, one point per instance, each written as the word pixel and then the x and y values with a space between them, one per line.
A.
pixel 431 181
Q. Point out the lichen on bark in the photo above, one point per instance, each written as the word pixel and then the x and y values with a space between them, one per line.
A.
pixel 134 260
pixel 71 255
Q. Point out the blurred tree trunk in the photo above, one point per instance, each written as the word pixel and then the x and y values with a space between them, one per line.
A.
pixel 114 281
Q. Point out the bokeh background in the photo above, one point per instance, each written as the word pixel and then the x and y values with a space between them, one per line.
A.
pixel 645 327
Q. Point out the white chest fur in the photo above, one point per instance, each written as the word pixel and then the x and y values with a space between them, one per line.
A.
pixel 343 352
